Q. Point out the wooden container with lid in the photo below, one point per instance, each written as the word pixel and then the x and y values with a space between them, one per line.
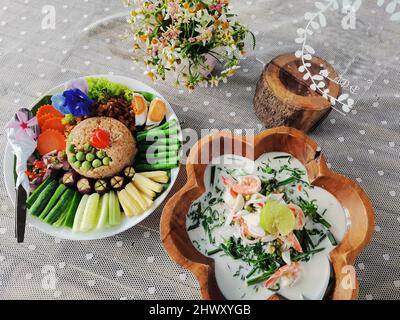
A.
pixel 284 98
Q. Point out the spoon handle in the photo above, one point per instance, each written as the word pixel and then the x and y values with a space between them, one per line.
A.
pixel 20 214
pixel 20 201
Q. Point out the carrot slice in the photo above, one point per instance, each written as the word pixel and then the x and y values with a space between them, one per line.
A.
pixel 50 140
pixel 48 109
pixel 42 119
pixel 53 123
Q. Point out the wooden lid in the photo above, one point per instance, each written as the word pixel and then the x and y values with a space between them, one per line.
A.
pixel 288 85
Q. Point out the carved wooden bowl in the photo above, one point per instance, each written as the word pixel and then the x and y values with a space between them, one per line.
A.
pixel 361 213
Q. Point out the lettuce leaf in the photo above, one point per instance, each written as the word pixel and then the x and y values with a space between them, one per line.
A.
pixel 101 90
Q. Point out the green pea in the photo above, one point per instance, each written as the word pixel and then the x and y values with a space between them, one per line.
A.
pixel 77 164
pixel 100 154
pixel 72 159
pixel 106 161
pixel 87 147
pixel 86 165
pixel 96 163
pixel 90 157
pixel 71 148
pixel 80 156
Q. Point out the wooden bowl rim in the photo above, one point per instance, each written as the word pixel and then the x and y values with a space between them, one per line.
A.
pixel 341 256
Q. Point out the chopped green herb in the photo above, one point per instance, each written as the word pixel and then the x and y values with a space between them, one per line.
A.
pixel 214 251
pixel 305 256
pixel 263 277
pixel 286 181
pixel 237 273
pixel 310 209
pixel 331 237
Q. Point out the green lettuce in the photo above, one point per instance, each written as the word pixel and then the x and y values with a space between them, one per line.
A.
pixel 101 90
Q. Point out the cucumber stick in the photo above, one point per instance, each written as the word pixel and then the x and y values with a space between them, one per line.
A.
pixel 35 194
pixel 79 213
pixel 114 216
pixel 104 209
pixel 60 221
pixel 60 207
pixel 59 191
pixel 91 214
pixel 43 198
pixel 72 210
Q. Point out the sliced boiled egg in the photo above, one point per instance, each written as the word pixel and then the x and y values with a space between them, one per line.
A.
pixel 139 106
pixel 157 112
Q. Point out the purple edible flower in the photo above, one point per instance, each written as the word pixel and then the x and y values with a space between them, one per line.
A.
pixel 77 102
pixel 58 101
pixel 80 84
pixel 72 101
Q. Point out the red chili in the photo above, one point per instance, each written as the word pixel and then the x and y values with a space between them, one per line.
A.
pixel 39 164
pixel 100 139
pixel 30 175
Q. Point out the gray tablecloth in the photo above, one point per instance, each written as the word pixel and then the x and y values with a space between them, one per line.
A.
pixel 364 145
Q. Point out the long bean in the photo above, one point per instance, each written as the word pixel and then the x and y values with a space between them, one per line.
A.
pixel 162 160
pixel 154 148
pixel 173 140
pixel 158 166
pixel 150 135
pixel 165 125
pixel 158 155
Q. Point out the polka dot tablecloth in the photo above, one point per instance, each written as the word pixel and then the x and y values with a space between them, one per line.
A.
pixel 363 145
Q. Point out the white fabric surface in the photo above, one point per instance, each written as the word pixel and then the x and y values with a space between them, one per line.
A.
pixel 364 145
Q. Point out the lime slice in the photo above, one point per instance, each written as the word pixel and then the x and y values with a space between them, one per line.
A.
pixel 276 218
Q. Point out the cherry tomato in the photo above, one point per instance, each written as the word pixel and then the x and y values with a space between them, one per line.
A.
pixel 100 139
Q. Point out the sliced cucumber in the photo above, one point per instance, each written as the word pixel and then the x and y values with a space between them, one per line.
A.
pixel 72 210
pixel 53 201
pixel 35 194
pixel 114 217
pixel 60 221
pixel 104 211
pixel 60 207
pixel 79 213
pixel 44 197
pixel 91 214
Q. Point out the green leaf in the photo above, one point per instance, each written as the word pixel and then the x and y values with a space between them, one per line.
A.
pixel 45 100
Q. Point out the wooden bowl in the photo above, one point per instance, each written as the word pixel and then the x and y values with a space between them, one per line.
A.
pixel 360 211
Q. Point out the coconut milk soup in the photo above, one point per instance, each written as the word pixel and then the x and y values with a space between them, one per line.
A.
pixel 268 230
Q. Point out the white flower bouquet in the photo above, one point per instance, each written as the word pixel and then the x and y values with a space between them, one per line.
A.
pixel 185 36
